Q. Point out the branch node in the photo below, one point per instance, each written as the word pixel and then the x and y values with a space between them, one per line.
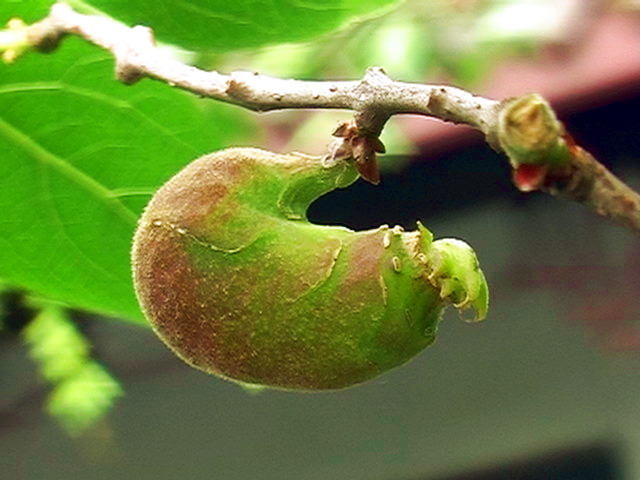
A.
pixel 375 75
pixel 236 88
pixel 143 35
pixel 43 38
pixel 128 73
pixel 529 132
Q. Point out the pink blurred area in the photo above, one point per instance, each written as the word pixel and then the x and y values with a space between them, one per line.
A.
pixel 598 63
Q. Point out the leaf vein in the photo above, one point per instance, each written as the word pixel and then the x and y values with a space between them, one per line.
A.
pixel 44 156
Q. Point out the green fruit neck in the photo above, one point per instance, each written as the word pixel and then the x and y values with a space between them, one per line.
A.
pixel 285 185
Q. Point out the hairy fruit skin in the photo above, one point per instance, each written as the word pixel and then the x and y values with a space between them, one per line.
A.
pixel 238 283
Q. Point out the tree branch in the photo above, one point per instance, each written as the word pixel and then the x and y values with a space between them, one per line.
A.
pixel 587 181
pixel 137 56
pixel 525 128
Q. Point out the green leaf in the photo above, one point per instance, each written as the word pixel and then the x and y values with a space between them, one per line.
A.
pixel 83 390
pixel 55 344
pixel 223 25
pixel 80 157
pixel 28 10
pixel 83 399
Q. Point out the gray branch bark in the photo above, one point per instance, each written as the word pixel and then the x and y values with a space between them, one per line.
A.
pixel 374 99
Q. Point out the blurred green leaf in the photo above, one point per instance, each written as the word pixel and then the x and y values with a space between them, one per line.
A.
pixel 83 399
pixel 28 10
pixel 81 156
pixel 55 344
pixel 223 25
pixel 83 390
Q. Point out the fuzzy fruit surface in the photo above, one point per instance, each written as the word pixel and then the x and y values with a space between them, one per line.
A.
pixel 236 281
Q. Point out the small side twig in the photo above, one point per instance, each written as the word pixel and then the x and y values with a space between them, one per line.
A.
pixel 524 128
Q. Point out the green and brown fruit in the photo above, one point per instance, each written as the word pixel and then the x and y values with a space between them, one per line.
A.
pixel 237 282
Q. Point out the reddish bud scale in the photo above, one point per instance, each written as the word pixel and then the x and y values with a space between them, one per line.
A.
pixel 529 177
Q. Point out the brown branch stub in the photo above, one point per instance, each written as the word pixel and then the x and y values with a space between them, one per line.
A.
pixel 525 128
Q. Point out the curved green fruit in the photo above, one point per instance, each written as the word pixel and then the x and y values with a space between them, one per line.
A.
pixel 239 284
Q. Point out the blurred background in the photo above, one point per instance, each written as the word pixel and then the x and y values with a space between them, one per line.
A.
pixel 548 387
